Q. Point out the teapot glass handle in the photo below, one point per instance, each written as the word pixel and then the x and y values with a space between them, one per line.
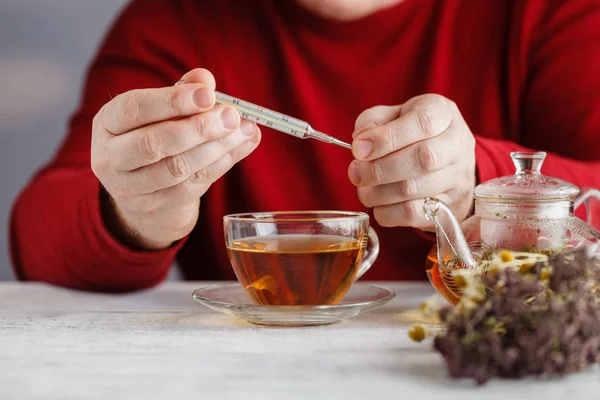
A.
pixel 371 253
pixel 591 199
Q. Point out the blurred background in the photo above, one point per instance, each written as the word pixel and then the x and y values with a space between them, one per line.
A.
pixel 45 47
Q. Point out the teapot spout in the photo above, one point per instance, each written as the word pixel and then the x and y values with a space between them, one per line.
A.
pixel 451 243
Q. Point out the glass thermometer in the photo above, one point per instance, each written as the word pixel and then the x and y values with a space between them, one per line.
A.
pixel 278 121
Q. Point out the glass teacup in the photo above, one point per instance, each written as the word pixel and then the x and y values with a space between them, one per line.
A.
pixel 300 258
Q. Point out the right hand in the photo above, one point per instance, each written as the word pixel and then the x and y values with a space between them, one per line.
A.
pixel 157 151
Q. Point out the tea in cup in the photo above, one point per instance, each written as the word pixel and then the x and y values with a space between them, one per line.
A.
pixel 300 258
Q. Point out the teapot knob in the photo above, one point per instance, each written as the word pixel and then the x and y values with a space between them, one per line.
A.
pixel 528 162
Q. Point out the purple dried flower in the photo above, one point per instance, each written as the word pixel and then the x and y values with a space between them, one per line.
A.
pixel 527 323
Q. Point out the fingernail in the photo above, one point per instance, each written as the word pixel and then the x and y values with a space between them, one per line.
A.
pixel 354 173
pixel 229 117
pixel 179 82
pixel 363 148
pixel 203 98
pixel 247 127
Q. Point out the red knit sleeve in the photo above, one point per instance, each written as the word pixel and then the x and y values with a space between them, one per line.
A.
pixel 561 98
pixel 57 233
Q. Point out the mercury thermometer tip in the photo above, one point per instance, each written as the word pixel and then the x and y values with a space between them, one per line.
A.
pixel 328 139
pixel 340 143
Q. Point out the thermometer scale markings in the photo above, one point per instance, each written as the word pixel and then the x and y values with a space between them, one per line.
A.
pixel 266 117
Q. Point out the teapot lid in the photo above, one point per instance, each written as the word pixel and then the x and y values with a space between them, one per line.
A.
pixel 527 183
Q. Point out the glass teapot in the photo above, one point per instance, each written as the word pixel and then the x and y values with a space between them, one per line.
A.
pixel 524 212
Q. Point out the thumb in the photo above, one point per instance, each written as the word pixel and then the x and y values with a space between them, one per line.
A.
pixel 199 75
pixel 374 117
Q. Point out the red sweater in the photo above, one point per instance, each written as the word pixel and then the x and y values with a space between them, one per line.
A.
pixel 525 74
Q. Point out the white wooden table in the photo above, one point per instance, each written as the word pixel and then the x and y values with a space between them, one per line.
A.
pixel 159 344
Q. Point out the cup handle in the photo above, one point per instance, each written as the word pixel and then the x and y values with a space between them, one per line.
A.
pixel 371 253
pixel 591 199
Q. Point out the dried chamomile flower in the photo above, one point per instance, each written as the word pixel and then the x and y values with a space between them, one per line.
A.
pixel 464 277
pixel 545 273
pixel 417 333
pixel 525 268
pixel 469 285
pixel 430 307
pixel 523 261
pixel 506 256
pixel 460 281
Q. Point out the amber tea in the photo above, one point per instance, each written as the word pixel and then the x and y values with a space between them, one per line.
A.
pixel 296 269
pixel 439 278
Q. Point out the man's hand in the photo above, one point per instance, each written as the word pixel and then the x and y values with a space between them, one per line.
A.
pixel 422 148
pixel 157 151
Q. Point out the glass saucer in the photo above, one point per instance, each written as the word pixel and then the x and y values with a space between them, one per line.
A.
pixel 232 299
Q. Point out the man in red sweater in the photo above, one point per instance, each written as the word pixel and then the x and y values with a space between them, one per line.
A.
pixel 433 95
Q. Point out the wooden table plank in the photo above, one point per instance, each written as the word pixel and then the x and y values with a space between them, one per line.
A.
pixel 62 344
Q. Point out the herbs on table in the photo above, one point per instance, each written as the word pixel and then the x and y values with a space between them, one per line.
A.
pixel 517 319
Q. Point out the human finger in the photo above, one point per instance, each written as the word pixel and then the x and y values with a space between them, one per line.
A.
pixel 421 122
pixel 141 107
pixel 375 116
pixel 175 169
pixel 193 188
pixel 408 213
pixel 199 75
pixel 413 161
pixel 152 143
pixel 427 185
